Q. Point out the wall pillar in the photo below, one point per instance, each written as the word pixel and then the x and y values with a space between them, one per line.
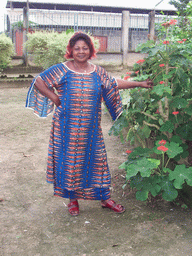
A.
pixel 25 31
pixel 152 25
pixel 125 36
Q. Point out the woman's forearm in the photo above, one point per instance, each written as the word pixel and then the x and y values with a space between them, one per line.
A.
pixel 42 87
pixel 124 84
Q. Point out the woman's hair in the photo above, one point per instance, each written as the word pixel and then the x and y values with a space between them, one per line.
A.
pixel 80 36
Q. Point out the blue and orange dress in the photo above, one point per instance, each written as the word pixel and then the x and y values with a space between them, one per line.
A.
pixel 77 159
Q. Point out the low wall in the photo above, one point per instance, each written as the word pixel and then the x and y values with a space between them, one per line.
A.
pixel 116 59
pixel 103 59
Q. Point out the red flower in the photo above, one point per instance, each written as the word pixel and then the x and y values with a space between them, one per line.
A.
pixel 166 24
pixel 129 73
pixel 166 42
pixel 140 61
pixel 126 77
pixel 161 65
pixel 136 72
pixel 172 22
pixel 162 148
pixel 162 142
pixel 175 113
pixel 180 42
pixel 129 151
pixel 184 39
pixel 161 82
pixel 157 111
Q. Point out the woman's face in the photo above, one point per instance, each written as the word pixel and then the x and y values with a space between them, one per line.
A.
pixel 81 51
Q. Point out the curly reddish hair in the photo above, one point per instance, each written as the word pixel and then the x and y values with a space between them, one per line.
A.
pixel 80 36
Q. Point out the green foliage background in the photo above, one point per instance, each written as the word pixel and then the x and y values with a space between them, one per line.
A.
pixel 49 48
pixel 6 50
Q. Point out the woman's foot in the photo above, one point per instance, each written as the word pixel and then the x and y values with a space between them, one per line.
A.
pixel 112 205
pixel 73 207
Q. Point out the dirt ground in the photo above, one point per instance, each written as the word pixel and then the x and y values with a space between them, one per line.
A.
pixel 35 223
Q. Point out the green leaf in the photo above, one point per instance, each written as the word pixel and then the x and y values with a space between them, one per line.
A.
pixel 167 127
pixel 139 152
pixel 155 190
pixel 176 139
pixel 174 149
pixel 169 193
pixel 180 175
pixel 123 165
pixel 136 182
pixel 166 170
pixel 146 166
pixel 179 103
pixel 160 89
pixel 185 131
pixel 188 110
pixel 161 122
pixel 146 131
pixel 156 162
pixel 132 170
pixel 142 195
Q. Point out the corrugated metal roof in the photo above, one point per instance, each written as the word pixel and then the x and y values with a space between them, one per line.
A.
pixel 80 7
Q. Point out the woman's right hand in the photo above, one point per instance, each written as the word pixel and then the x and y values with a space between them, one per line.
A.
pixel 42 87
pixel 57 101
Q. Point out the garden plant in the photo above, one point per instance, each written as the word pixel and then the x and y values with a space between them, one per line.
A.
pixel 7 51
pixel 48 48
pixel 159 120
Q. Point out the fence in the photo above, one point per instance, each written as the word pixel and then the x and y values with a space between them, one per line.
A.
pixel 107 27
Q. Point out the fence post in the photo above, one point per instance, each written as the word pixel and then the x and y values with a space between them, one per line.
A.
pixel 125 36
pixel 25 31
pixel 152 25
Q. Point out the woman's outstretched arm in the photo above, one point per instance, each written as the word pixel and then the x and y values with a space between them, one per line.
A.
pixel 42 87
pixel 124 84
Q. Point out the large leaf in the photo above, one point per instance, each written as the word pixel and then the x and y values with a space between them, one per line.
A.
pixel 178 103
pixel 146 185
pixel 132 170
pixel 174 149
pixel 160 89
pixel 180 175
pixel 169 193
pixel 142 195
pixel 146 166
pixel 167 127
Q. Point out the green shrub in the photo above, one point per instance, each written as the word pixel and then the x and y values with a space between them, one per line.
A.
pixel 7 51
pixel 48 48
pixel 159 120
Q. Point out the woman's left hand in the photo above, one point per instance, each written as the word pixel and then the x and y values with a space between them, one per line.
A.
pixel 147 84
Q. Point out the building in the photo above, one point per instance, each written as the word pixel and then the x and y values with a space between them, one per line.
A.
pixel 103 22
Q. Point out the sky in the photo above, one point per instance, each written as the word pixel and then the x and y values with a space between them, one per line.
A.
pixel 148 4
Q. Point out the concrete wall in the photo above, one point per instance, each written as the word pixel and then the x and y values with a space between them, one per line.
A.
pixel 116 59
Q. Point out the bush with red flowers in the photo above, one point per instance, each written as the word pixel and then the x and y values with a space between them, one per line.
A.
pixel 159 119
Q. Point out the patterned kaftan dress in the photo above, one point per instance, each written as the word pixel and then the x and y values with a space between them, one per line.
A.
pixel 77 159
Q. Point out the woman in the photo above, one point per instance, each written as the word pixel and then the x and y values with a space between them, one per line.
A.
pixel 77 160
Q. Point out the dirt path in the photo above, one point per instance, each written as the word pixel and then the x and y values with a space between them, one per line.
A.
pixel 34 223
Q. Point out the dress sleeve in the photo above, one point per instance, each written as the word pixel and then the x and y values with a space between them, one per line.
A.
pixel 40 104
pixel 111 95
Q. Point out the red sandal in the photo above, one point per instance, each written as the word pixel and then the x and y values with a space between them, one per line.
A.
pixel 73 208
pixel 113 206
